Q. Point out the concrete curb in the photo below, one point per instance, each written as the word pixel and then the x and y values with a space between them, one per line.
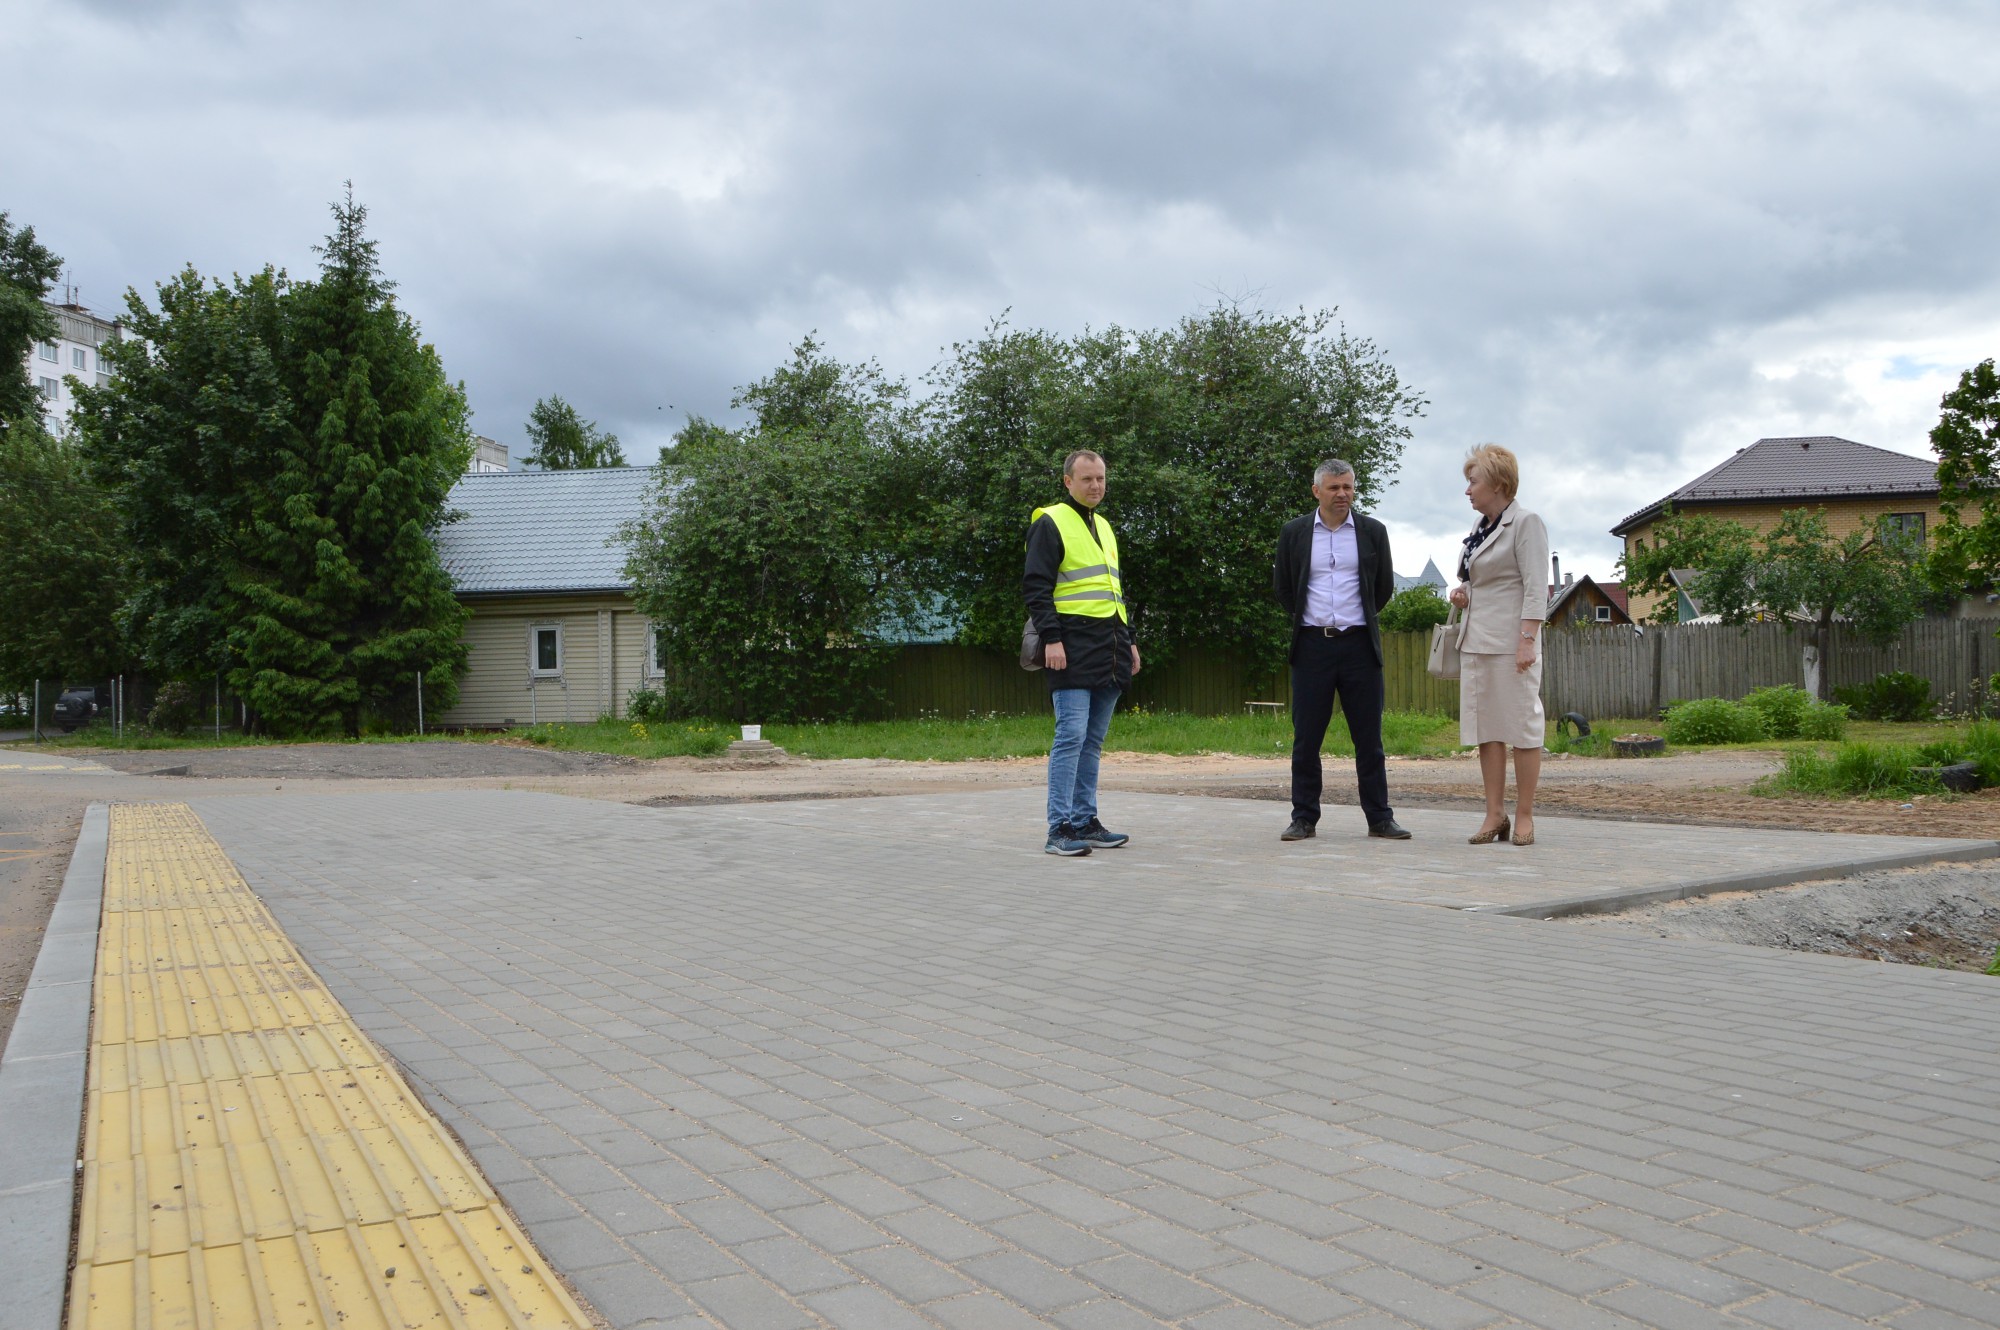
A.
pixel 41 1092
pixel 1611 902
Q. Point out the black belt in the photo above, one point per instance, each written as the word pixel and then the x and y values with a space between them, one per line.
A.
pixel 1326 630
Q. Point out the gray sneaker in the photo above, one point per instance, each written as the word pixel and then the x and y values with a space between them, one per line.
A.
pixel 1063 841
pixel 1094 834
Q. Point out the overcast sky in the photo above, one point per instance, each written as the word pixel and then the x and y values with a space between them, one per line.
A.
pixel 1624 240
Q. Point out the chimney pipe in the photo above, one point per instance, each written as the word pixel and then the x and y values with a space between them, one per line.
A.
pixel 1555 569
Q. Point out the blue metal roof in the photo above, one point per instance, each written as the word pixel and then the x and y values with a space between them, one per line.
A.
pixel 542 531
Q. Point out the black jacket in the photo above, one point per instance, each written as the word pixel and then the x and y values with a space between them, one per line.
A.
pixel 1294 565
pixel 1099 650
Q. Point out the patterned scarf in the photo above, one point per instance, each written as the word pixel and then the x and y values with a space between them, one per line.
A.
pixel 1486 527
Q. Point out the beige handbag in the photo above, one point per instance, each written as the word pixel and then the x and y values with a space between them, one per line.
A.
pixel 1443 663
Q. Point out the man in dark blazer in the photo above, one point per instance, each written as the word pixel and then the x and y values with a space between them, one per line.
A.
pixel 1333 577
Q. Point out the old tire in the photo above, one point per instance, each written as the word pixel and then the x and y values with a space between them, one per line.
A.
pixel 1638 745
pixel 1958 778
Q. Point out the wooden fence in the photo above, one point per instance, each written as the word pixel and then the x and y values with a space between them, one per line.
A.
pixel 1617 672
pixel 1600 672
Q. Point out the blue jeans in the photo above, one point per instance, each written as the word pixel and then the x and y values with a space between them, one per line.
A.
pixel 1083 718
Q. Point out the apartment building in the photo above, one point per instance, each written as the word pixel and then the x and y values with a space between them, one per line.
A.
pixel 74 352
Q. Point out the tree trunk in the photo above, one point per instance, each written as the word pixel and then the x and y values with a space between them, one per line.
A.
pixel 1818 653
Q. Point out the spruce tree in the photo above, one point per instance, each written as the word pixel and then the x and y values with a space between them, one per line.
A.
pixel 352 599
pixel 288 448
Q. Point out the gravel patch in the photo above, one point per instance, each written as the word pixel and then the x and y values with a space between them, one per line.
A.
pixel 439 759
pixel 1945 916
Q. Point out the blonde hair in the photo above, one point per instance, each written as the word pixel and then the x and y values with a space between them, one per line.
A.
pixel 1496 466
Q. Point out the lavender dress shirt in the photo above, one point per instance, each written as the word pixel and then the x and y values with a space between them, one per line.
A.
pixel 1333 585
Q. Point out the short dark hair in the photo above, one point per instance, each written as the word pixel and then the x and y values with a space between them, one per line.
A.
pixel 1080 455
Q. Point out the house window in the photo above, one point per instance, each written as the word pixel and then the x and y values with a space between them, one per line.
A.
pixel 1604 614
pixel 50 352
pixel 79 358
pixel 545 650
pixel 49 388
pixel 656 654
pixel 1908 524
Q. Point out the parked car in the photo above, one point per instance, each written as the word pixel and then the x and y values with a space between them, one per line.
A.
pixel 78 706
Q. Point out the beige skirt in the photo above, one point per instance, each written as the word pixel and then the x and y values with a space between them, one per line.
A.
pixel 1498 703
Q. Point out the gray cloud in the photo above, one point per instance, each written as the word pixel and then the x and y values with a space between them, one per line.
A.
pixel 1624 240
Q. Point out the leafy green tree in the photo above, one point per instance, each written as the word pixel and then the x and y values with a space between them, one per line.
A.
pixel 770 557
pixel 1967 442
pixel 1686 540
pixel 1210 430
pixel 62 564
pixel 1415 610
pixel 285 449
pixel 565 441
pixel 1873 580
pixel 27 270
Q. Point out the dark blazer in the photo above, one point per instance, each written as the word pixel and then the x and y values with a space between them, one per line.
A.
pixel 1378 577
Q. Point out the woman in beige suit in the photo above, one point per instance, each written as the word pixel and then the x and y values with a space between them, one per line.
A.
pixel 1503 592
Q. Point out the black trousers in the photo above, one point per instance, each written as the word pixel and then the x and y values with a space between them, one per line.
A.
pixel 1323 668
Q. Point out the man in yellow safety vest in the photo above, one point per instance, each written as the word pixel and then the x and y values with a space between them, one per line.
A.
pixel 1076 598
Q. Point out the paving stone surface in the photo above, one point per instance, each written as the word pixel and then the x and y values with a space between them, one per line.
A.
pixel 881 1063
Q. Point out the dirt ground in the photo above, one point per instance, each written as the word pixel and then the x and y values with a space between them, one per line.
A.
pixel 39 819
pixel 35 842
pixel 1947 916
pixel 439 760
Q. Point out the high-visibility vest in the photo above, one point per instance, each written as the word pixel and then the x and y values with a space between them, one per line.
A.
pixel 1087 583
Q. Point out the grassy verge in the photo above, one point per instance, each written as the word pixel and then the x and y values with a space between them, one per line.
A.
pixel 627 738
pixel 931 739
pixel 989 737
pixel 1873 769
pixel 1911 734
pixel 1138 731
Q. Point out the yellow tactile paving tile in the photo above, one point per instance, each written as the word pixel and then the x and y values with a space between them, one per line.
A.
pixel 250 1159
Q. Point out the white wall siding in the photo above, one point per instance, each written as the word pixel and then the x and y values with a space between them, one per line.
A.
pixel 498 688
pixel 629 633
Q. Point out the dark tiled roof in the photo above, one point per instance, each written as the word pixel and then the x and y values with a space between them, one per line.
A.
pixel 542 531
pixel 1819 467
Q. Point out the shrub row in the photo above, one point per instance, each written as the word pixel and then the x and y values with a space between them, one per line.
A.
pixel 1897 695
pixel 1784 712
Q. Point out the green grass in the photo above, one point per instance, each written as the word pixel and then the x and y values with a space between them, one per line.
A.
pixel 625 738
pixel 987 737
pixel 939 740
pixel 1878 770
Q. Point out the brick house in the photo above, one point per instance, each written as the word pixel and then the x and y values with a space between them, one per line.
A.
pixel 1852 483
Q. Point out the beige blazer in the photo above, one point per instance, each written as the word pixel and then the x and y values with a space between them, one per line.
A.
pixel 1508 582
